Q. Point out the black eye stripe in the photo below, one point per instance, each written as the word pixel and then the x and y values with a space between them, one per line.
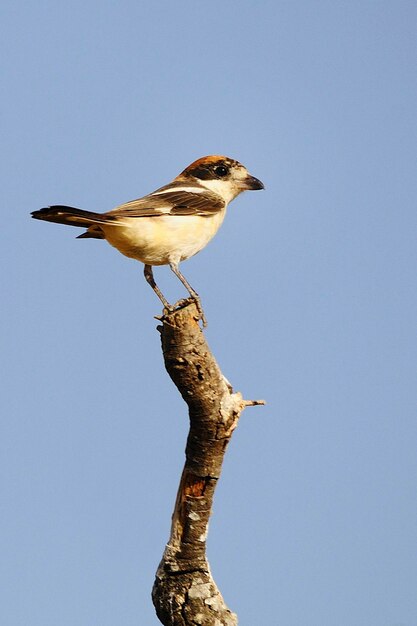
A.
pixel 207 172
pixel 203 173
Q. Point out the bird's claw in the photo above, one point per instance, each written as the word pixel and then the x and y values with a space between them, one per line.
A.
pixel 200 310
pixel 180 304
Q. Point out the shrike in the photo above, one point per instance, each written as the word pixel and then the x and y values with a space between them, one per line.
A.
pixel 169 225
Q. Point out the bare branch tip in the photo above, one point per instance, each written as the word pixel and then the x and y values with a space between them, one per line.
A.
pixel 255 402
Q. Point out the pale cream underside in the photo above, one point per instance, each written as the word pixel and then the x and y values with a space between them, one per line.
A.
pixel 163 239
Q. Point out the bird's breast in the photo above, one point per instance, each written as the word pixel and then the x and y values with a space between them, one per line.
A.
pixel 163 239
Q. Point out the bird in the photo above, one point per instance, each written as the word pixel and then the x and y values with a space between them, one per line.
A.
pixel 169 225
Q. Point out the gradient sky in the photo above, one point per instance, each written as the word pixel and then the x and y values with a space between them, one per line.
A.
pixel 309 289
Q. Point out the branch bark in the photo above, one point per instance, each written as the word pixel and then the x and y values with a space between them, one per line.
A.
pixel 184 592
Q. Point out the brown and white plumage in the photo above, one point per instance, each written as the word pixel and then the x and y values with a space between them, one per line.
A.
pixel 170 224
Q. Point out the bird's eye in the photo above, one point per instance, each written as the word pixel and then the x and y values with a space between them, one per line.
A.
pixel 221 171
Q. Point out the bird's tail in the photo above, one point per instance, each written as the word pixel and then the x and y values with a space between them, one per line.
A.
pixel 71 216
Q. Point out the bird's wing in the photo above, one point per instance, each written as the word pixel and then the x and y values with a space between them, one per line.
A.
pixel 171 201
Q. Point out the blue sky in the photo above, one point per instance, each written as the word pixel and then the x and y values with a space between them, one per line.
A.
pixel 309 289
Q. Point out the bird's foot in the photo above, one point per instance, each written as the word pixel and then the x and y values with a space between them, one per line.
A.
pixel 180 304
pixel 200 310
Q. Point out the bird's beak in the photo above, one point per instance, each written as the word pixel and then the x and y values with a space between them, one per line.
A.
pixel 252 183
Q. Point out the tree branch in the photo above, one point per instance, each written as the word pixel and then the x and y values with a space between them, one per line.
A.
pixel 184 592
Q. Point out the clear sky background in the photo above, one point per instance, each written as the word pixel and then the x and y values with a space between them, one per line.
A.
pixel 309 289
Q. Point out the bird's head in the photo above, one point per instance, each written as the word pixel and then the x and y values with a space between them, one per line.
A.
pixel 221 175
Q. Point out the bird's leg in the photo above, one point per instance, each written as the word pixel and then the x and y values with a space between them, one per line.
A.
pixel 191 291
pixel 148 273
